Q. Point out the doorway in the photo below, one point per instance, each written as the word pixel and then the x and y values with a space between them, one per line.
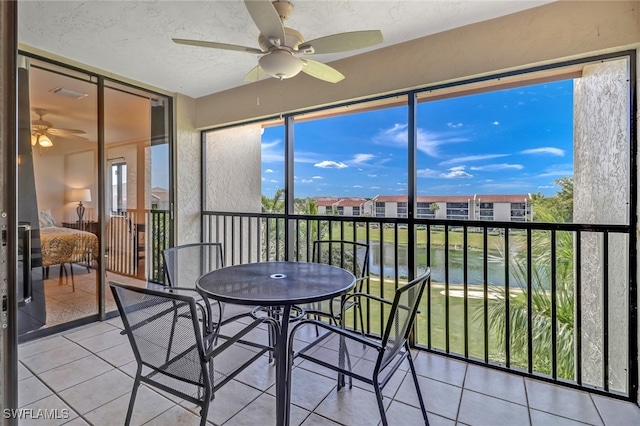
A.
pixel 94 165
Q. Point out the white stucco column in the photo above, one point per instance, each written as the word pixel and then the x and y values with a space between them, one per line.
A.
pixel 187 173
pixel 233 183
pixel 601 195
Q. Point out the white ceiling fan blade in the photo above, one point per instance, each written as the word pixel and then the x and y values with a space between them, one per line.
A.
pixel 255 74
pixel 322 71
pixel 266 18
pixel 58 131
pixel 66 136
pixel 214 45
pixel 343 42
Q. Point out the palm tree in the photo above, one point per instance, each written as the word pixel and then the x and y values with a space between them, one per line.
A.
pixel 541 303
pixel 273 241
pixel 274 204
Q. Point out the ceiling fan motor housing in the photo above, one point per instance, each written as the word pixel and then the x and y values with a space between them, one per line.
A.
pixel 293 40
pixel 284 9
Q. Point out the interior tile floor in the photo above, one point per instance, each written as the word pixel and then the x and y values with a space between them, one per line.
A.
pixel 89 371
pixel 67 299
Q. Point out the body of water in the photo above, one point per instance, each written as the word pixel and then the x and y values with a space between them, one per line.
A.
pixel 475 265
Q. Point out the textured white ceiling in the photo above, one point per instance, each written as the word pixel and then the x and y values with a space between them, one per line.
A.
pixel 133 38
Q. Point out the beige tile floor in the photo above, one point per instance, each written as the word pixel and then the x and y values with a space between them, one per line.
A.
pixel 66 302
pixel 89 371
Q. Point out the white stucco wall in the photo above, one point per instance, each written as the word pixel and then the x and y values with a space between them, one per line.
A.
pixel 187 173
pixel 233 169
pixel 601 195
pixel 233 184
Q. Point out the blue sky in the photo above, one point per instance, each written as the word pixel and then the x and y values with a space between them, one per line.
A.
pixel 506 142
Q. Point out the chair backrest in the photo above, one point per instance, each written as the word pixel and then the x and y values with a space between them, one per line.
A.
pixel 350 255
pixel 185 264
pixel 165 335
pixel 402 316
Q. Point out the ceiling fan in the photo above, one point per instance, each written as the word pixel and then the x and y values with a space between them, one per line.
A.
pixel 41 131
pixel 280 45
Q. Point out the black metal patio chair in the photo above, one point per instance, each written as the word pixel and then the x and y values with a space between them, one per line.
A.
pixel 352 256
pixel 368 360
pixel 174 347
pixel 185 264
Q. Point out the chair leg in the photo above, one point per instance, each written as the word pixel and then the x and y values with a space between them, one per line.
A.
pixel 73 283
pixel 415 381
pixel 204 411
pixel 357 306
pixel 63 270
pixel 132 400
pixel 383 415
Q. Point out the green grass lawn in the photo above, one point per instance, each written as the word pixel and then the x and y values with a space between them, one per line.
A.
pixel 456 238
pixel 456 322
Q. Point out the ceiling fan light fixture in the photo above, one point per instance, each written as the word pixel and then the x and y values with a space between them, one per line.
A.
pixel 281 64
pixel 42 140
pixel 45 142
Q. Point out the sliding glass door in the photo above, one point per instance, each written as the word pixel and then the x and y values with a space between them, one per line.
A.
pixel 95 192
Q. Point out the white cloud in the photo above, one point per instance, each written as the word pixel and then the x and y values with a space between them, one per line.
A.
pixel 372 176
pixel 361 158
pixel 496 167
pixel 326 164
pixel 263 179
pixel 454 125
pixel 273 181
pixel 557 170
pixel 427 142
pixel 546 187
pixel 472 158
pixel 268 171
pixel 357 186
pixel 545 150
pixel 307 180
pixel 317 177
pixel 496 123
pixel 374 187
pixel 426 173
pixel 509 186
pixel 271 153
pixel 456 172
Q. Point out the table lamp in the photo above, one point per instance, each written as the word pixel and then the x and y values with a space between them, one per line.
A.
pixel 80 195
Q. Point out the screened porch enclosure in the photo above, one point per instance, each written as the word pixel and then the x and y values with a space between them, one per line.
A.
pixel 546 294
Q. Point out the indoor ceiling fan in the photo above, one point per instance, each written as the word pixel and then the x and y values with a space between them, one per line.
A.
pixel 41 131
pixel 280 46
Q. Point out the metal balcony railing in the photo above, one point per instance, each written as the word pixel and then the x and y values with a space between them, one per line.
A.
pixel 135 242
pixel 554 301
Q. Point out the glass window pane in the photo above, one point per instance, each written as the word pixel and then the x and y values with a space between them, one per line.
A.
pixel 351 156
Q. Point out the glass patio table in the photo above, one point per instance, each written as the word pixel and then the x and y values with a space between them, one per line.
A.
pixel 277 285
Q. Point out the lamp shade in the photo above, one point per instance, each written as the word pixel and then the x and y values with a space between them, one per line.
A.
pixel 45 142
pixel 42 140
pixel 79 195
pixel 281 64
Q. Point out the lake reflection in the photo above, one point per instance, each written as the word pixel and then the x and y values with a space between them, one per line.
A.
pixel 475 266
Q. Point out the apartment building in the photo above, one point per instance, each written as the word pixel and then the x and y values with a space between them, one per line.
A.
pixel 344 206
pixel 502 207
